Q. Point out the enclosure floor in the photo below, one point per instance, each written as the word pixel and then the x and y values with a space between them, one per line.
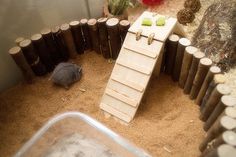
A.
pixel 167 119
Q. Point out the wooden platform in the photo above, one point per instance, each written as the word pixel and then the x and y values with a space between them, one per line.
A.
pixel 134 68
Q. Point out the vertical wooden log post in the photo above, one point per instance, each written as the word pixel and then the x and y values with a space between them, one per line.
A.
pixel 182 44
pixel 51 48
pixel 68 39
pixel 77 36
pixel 227 137
pixel 32 58
pixel 220 90
pixel 223 150
pixel 113 32
pixel 226 101
pixel 217 79
pixel 123 28
pixel 85 31
pixel 41 49
pixel 192 71
pixel 20 60
pixel 222 124
pixel 18 40
pixel 59 43
pixel 171 47
pixel 209 77
pixel 93 32
pixel 103 36
pixel 187 60
pixel 203 68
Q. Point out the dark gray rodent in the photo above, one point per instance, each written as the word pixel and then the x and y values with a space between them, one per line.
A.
pixel 66 73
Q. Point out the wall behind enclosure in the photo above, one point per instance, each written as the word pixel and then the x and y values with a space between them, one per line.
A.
pixel 26 17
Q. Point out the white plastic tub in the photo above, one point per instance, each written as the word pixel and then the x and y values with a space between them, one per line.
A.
pixel 65 133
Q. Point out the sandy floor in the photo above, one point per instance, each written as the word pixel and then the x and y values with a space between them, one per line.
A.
pixel 166 118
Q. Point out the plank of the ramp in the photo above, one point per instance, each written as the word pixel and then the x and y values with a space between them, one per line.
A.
pixel 128 83
pixel 161 32
pixel 144 63
pixel 125 73
pixel 125 90
pixel 141 46
pixel 121 97
pixel 119 105
pixel 116 113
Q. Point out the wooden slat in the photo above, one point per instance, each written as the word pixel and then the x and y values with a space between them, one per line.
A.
pixel 128 83
pixel 115 112
pixel 139 50
pixel 134 67
pixel 121 97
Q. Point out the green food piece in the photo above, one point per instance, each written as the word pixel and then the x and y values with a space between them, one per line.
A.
pixel 161 21
pixel 147 22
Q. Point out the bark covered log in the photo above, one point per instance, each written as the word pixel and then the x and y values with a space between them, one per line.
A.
pixel 225 101
pixel 182 44
pixel 209 77
pixel 192 71
pixel 93 32
pixel 68 39
pixel 171 47
pixel 77 36
pixel 32 58
pixel 41 49
pixel 60 44
pixel 85 31
pixel 187 60
pixel 203 68
pixel 217 93
pixel 103 36
pixel 123 28
pixel 114 37
pixel 20 60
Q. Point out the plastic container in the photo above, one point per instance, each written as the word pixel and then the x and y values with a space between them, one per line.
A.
pixel 68 125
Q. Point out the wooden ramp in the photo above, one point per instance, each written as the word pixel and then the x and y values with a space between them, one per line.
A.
pixel 134 67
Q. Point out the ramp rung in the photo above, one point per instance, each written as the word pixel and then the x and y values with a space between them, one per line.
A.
pixel 134 67
pixel 115 112
pixel 139 50
pixel 128 83
pixel 121 97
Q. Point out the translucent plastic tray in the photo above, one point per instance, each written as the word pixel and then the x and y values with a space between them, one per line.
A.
pixel 75 124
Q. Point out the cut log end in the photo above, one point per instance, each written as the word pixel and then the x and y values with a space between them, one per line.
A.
pixel 226 150
pixel 84 21
pixel 102 20
pixel 223 89
pixel 14 50
pixel 45 31
pixel 231 112
pixel 215 69
pixel 92 22
pixel 25 43
pixel 228 100
pixel 18 40
pixel 219 78
pixel 124 23
pixel 228 123
pixel 174 38
pixel 65 27
pixel 198 55
pixel 206 61
pixel 36 37
pixel 229 137
pixel 191 49
pixel 185 42
pixel 55 29
pixel 112 22
pixel 74 23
